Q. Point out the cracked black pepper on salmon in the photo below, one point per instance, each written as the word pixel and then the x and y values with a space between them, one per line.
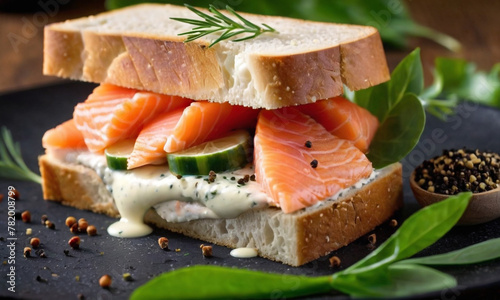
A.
pixel 314 163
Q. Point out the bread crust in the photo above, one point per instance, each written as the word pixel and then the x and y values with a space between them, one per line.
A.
pixel 294 239
pixel 358 67
pixel 76 186
pixel 300 78
pixel 164 64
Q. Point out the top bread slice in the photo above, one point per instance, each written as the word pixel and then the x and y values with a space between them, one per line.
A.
pixel 139 47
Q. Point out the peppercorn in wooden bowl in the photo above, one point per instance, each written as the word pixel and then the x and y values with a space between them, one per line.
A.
pixel 458 171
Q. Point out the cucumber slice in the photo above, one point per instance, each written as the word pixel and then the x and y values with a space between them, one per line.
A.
pixel 118 153
pixel 229 153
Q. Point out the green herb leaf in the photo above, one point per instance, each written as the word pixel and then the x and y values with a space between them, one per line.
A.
pixel 407 280
pixel 221 23
pixel 481 252
pixel 401 125
pixel 419 231
pixel 399 133
pixel 211 282
pixel 407 77
pixel 12 165
pixel 375 99
pixel 400 112
pixel 459 79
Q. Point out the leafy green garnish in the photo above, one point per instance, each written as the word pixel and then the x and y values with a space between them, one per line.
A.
pixel 12 165
pixel 398 109
pixel 383 273
pixel 390 17
pixel 219 22
pixel 211 282
pixel 402 280
pixel 399 133
pixel 457 79
pixel 399 103
pixel 476 253
pixel 419 231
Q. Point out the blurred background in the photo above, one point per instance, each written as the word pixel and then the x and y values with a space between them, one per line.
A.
pixel 460 28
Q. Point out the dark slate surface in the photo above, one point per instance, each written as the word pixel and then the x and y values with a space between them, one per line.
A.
pixel 29 113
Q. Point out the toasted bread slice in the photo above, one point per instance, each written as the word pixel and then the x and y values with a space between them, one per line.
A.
pixel 294 239
pixel 139 47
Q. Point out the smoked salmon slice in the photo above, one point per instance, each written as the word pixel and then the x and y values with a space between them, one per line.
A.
pixel 112 113
pixel 345 120
pixel 65 135
pixel 148 147
pixel 298 162
pixel 204 121
pixel 107 91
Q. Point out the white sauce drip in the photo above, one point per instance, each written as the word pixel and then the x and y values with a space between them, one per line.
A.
pixel 175 200
pixel 244 252
pixel 178 200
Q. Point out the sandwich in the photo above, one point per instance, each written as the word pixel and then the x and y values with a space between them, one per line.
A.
pixel 241 144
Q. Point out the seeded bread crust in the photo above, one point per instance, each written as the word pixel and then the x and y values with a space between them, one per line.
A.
pixel 253 73
pixel 293 239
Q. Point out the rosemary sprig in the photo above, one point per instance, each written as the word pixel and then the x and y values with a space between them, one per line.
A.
pixel 12 165
pixel 219 22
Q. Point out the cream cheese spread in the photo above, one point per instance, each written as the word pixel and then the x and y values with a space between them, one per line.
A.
pixel 177 199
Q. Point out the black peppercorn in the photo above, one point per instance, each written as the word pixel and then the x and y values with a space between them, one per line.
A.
pixel 314 163
pixel 458 171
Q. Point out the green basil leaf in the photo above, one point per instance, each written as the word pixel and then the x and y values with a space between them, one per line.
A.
pixel 419 231
pixel 476 253
pixel 408 280
pixel 400 112
pixel 212 282
pixel 459 79
pixel 407 77
pixel 375 100
pixel 480 88
pixel 399 133
pixel 453 72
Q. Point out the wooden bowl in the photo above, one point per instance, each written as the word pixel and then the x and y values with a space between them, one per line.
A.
pixel 483 207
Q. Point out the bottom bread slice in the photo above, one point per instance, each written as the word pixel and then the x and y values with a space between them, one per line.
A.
pixel 293 239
